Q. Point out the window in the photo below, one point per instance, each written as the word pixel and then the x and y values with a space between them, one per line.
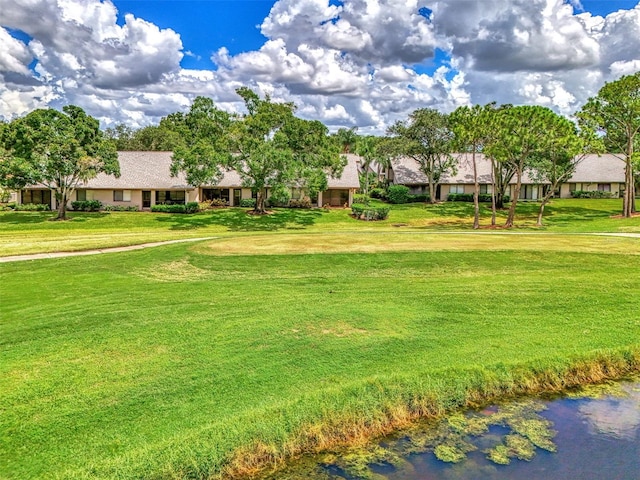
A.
pixel 336 198
pixel 122 195
pixel 456 188
pixel 81 195
pixel 572 187
pixel 170 197
pixel 604 187
pixel 215 194
pixel 528 192
pixel 484 188
pixel 36 196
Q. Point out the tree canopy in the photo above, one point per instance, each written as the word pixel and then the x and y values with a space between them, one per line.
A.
pixel 57 150
pixel 269 147
pixel 471 128
pixel 427 138
pixel 615 113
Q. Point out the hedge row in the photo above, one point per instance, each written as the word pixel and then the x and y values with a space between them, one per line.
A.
pixel 468 197
pixel 191 207
pixel 86 205
pixel 591 194
pixel 366 212
pixel 28 207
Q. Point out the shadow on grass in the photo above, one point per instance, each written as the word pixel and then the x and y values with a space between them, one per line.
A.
pixel 32 218
pixel 238 220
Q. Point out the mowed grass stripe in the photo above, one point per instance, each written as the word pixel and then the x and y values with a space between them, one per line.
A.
pixel 33 232
pixel 165 362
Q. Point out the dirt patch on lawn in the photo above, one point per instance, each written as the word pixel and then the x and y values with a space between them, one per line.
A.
pixel 170 272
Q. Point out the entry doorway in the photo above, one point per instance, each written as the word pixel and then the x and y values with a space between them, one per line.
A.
pixel 146 199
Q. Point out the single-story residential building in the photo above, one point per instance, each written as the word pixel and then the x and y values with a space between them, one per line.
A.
pixel 595 172
pixel 145 180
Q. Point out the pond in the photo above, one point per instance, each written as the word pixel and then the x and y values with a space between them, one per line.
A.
pixel 593 433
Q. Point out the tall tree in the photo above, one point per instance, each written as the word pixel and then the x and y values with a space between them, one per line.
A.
pixel 269 147
pixel 347 138
pixel 470 126
pixel 521 133
pixel 554 165
pixel 203 150
pixel 123 137
pixel 57 150
pixel 367 149
pixel 275 149
pixel 615 113
pixel 426 137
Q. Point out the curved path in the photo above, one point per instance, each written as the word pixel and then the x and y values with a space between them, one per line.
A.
pixel 37 256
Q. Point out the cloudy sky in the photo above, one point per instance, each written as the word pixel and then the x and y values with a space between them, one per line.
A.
pixel 364 63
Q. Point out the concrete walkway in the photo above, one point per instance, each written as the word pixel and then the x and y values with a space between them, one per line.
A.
pixel 38 256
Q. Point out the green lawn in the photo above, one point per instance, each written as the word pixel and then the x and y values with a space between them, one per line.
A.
pixel 32 232
pixel 292 331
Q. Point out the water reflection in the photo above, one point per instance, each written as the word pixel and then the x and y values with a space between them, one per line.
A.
pixel 615 417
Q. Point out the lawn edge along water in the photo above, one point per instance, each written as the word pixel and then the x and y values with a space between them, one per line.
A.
pixel 360 412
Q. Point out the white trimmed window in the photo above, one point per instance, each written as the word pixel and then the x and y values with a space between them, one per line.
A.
pixel 456 188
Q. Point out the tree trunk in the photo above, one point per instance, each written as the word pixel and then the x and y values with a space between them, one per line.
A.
pixel 545 200
pixel 628 202
pixel 476 193
pixel 498 186
pixel 514 200
pixel 432 192
pixel 493 196
pixel 62 206
pixel 260 201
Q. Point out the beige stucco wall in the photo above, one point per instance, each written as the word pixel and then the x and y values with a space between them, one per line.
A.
pixel 565 188
pixel 106 197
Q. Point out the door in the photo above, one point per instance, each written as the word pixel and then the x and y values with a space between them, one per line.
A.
pixel 146 199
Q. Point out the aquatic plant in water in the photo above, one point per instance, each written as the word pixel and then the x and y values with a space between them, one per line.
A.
pixel 450 439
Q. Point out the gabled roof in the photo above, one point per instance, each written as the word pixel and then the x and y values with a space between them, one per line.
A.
pixel 407 171
pixel 349 177
pixel 151 171
pixel 606 168
pixel 141 170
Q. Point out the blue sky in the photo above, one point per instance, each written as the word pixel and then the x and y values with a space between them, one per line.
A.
pixel 205 25
pixel 364 63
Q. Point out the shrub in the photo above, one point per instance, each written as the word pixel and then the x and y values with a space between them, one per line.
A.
pixel 398 194
pixel 213 203
pixel 361 198
pixel 31 207
pixel 190 207
pixel 421 198
pixel 86 205
pixel 468 197
pixel 248 202
pixel 379 193
pixel 300 203
pixel 591 194
pixel 279 197
pixel 121 208
pixel 365 212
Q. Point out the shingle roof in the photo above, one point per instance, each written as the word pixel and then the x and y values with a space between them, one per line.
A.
pixel 606 168
pixel 151 171
pixel 141 170
pixel 349 177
